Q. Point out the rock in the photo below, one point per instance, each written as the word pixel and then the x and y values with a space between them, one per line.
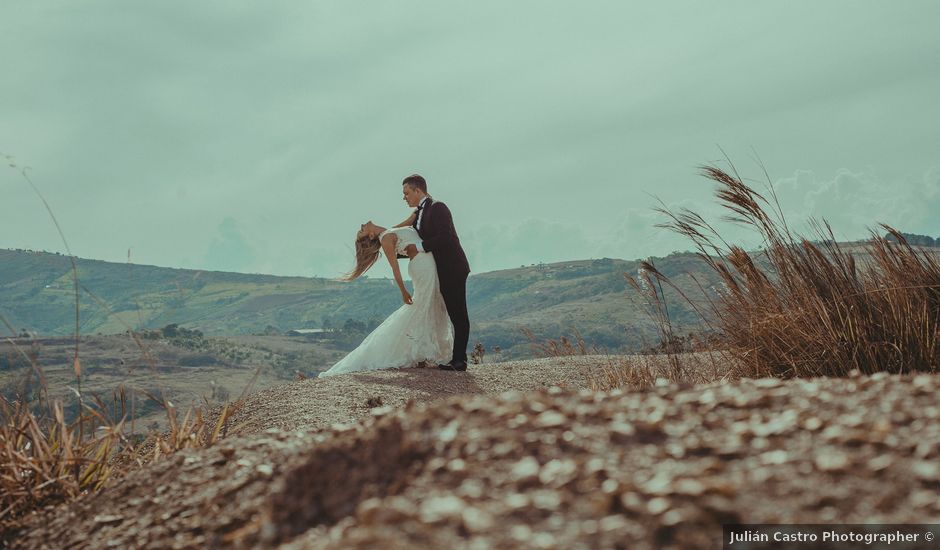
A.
pixel 382 410
pixel 928 471
pixel 546 500
pixel 550 419
pixel 831 461
pixel 776 457
pixel 515 501
pixel 477 520
pixel 621 431
pixel 557 472
pixel 441 508
pixel 812 423
pixel 880 463
pixel 657 505
pixel 471 488
pixel 525 470
pixel 449 433
pixel 690 487
pixel 106 519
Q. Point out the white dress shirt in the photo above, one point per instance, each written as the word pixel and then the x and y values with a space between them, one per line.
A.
pixel 418 224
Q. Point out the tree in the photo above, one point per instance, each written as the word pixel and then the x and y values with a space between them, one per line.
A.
pixel 353 325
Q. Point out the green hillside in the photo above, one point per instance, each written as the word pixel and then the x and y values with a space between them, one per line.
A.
pixel 36 293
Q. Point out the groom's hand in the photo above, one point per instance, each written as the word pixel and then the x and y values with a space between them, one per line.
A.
pixel 412 251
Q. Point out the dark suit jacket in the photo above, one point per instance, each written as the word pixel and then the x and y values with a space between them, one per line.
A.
pixel 439 237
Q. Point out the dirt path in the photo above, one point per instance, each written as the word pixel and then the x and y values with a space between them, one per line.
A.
pixel 321 402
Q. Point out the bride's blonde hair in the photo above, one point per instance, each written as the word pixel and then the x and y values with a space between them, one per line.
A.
pixel 367 252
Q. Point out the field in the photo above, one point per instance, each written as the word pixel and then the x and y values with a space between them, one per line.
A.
pixel 185 371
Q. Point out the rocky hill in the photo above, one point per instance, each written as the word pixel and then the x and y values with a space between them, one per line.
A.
pixel 525 454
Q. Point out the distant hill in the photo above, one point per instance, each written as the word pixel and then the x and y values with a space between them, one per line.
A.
pixel 551 300
pixel 917 240
pixel 36 292
pixel 591 296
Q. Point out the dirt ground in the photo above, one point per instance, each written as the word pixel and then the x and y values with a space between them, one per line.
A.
pixel 523 454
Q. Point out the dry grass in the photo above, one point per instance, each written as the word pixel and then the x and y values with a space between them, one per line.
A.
pixel 563 347
pixel 46 460
pixel 806 307
pixel 799 307
pixel 669 363
pixel 649 370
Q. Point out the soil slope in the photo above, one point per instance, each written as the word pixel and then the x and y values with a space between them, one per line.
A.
pixel 551 467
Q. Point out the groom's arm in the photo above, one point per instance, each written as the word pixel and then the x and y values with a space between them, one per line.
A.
pixel 410 220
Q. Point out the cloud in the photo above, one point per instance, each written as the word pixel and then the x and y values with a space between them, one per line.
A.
pixel 505 245
pixel 854 202
pixel 637 234
pixel 299 120
pixel 229 250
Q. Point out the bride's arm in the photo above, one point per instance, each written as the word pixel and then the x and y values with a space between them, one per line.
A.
pixel 410 220
pixel 388 245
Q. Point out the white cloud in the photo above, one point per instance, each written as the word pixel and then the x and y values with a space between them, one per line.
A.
pixel 854 202
pixel 229 250
pixel 501 246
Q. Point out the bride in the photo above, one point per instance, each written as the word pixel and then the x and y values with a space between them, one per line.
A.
pixel 420 330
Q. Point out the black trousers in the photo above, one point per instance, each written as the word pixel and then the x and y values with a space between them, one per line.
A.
pixel 454 291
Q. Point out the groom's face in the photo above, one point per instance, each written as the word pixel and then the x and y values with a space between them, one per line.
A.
pixel 411 195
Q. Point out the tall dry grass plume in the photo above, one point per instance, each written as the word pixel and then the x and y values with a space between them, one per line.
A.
pixel 813 307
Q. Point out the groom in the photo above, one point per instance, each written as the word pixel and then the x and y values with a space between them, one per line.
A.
pixel 438 236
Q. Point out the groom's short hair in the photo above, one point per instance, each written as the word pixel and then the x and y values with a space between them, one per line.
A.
pixel 416 181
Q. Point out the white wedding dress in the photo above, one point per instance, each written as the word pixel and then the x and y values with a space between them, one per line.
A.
pixel 416 332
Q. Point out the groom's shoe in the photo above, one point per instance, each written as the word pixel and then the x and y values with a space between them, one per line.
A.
pixel 457 365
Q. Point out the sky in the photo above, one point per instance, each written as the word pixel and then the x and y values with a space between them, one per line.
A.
pixel 257 137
